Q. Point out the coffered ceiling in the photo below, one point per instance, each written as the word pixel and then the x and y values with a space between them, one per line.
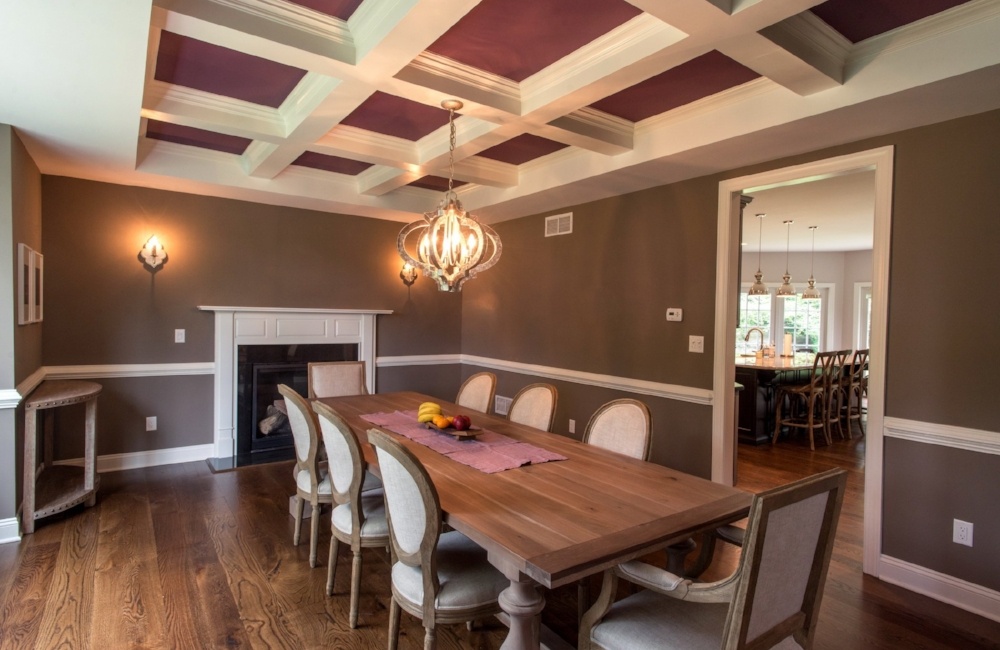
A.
pixel 335 105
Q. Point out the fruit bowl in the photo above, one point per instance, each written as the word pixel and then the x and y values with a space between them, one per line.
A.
pixel 471 432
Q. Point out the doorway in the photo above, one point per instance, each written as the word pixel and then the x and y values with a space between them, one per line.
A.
pixel 727 287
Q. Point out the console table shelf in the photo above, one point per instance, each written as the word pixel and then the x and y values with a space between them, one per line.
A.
pixel 57 488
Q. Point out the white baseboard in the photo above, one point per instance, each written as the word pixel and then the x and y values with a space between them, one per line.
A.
pixel 10 531
pixel 152 458
pixel 948 589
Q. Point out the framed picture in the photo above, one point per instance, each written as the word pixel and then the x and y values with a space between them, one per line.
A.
pixel 30 266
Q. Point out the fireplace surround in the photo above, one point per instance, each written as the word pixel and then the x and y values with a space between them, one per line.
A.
pixel 269 326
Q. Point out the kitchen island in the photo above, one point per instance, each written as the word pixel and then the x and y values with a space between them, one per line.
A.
pixel 759 378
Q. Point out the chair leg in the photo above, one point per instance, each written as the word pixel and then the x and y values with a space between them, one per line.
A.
pixel 355 587
pixel 299 506
pixel 331 564
pixel 777 417
pixel 394 612
pixel 430 638
pixel 811 421
pixel 582 598
pixel 313 535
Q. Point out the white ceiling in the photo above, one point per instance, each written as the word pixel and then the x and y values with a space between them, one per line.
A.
pixel 75 86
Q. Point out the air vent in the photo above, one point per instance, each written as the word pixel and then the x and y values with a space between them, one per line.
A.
pixel 501 405
pixel 559 224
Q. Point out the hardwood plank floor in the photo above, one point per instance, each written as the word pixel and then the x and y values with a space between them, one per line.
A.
pixel 178 557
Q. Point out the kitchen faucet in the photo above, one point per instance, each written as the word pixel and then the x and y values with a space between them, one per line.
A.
pixel 759 331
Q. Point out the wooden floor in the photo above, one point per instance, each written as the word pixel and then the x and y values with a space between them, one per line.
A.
pixel 178 557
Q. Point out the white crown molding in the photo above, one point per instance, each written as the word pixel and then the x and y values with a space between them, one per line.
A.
pixel 367 146
pixel 639 386
pixel 901 38
pixel 9 398
pixel 940 586
pixel 984 442
pixel 10 530
pixel 641 37
pixel 728 98
pixel 200 109
pixel 448 75
pixel 293 310
pixel 296 17
pixel 151 458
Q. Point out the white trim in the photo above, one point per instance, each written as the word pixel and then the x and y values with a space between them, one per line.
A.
pixel 10 530
pixel 639 386
pixel 727 252
pixel 9 398
pixel 295 310
pixel 151 458
pixel 984 442
pixel 418 360
pixel 948 589
pixel 114 370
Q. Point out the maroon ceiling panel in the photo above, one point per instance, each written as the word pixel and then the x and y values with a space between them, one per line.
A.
pixel 331 163
pixel 342 9
pixel 436 183
pixel 195 64
pixel 391 115
pixel 858 20
pixel 196 137
pixel 704 76
pixel 521 149
pixel 516 38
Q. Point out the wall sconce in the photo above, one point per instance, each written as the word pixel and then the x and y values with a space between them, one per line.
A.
pixel 153 255
pixel 408 274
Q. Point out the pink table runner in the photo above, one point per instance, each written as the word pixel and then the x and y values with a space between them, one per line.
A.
pixel 489 452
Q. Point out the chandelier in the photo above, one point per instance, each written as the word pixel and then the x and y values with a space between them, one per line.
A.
pixel 449 244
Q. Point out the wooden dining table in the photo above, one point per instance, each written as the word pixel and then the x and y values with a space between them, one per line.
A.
pixel 553 523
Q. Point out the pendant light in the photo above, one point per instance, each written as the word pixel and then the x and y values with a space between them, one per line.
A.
pixel 759 288
pixel 451 245
pixel 786 290
pixel 811 292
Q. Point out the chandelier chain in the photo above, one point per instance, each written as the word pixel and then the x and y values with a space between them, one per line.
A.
pixel 451 149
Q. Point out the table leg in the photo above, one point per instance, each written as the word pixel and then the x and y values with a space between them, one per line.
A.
pixel 523 604
pixel 90 451
pixel 28 471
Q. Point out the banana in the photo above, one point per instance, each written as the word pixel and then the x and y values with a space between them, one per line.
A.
pixel 429 405
pixel 426 417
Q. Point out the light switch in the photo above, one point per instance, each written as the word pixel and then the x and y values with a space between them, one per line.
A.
pixel 178 336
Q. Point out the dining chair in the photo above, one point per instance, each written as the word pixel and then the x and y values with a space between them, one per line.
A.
pixel 852 392
pixel 534 406
pixel 810 404
pixel 476 392
pixel 312 482
pixel 336 379
pixel 621 425
pixel 439 577
pixel 358 519
pixel 771 600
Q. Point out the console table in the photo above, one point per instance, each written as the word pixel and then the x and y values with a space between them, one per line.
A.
pixel 57 488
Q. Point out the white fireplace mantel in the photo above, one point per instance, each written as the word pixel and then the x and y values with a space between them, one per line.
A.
pixel 235 326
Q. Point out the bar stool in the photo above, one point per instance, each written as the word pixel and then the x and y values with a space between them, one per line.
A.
pixel 852 391
pixel 816 396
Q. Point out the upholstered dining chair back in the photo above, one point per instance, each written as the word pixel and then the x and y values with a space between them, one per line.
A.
pixel 534 406
pixel 336 379
pixel 477 391
pixel 621 425
pixel 414 511
pixel 304 435
pixel 345 460
pixel 786 555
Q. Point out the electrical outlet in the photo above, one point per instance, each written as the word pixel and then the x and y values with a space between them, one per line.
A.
pixel 178 336
pixel 696 344
pixel 151 423
pixel 501 404
pixel 572 426
pixel 962 532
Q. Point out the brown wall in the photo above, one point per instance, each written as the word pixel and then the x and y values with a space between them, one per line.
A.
pixel 103 307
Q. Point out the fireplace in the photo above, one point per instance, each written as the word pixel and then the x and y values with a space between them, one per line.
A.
pixel 262 427
pixel 240 329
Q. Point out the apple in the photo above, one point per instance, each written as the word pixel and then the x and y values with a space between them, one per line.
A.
pixel 461 422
